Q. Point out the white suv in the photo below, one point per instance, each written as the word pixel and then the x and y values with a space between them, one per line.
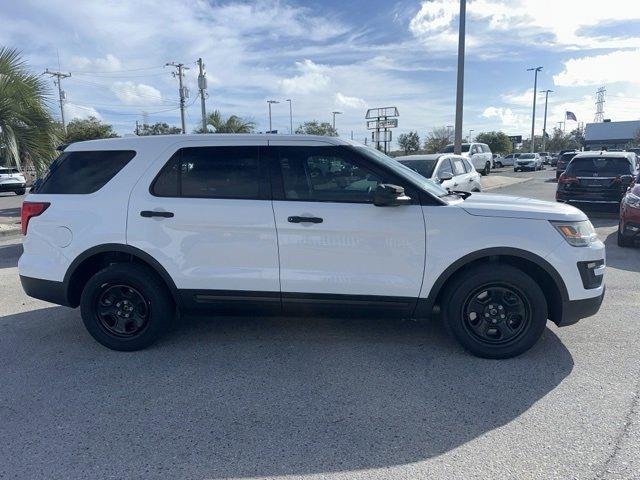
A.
pixel 479 154
pixel 134 230
pixel 11 180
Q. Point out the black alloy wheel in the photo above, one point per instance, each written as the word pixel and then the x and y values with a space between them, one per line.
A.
pixel 122 310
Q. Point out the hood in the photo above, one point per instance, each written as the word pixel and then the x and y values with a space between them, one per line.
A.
pixel 507 206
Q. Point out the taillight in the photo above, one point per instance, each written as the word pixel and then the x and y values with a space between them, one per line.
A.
pixel 567 180
pixel 29 210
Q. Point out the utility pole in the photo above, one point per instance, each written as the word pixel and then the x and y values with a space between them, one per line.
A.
pixel 202 86
pixel 544 126
pixel 457 144
pixel 61 95
pixel 271 102
pixel 137 128
pixel 290 116
pixel 184 93
pixel 533 118
pixel 334 118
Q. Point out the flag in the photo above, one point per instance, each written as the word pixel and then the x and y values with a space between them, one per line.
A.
pixel 570 116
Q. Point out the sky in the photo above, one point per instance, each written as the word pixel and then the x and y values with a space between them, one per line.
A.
pixel 334 55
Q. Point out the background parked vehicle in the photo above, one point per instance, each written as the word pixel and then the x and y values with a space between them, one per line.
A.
pixel 597 177
pixel 553 159
pixel 453 172
pixel 629 225
pixel 11 180
pixel 479 154
pixel 528 161
pixel 564 158
pixel 509 160
pixel 545 157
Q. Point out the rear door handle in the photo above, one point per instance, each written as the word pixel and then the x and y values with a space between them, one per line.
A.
pixel 154 213
pixel 304 219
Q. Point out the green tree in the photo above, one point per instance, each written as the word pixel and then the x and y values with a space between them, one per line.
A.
pixel 88 129
pixel 216 123
pixel 409 142
pixel 317 128
pixel 27 130
pixel 158 128
pixel 498 142
pixel 437 139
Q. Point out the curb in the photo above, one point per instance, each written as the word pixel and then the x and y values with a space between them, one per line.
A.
pixel 516 182
pixel 9 229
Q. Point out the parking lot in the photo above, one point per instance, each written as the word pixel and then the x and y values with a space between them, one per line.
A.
pixel 321 398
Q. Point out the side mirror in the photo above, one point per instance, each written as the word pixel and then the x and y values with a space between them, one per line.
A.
pixel 387 195
pixel 445 176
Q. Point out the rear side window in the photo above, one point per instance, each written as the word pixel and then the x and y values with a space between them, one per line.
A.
pixel 84 172
pixel 211 172
pixel 599 167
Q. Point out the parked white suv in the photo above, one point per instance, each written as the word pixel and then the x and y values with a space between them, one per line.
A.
pixel 11 180
pixel 452 172
pixel 478 153
pixel 136 229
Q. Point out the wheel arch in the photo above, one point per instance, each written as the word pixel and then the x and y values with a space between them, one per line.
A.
pixel 95 258
pixel 550 281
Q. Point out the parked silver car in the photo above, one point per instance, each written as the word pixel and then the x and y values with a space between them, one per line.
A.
pixel 528 161
pixel 453 172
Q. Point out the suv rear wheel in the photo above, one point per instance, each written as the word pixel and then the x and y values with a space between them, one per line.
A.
pixel 126 307
pixel 622 241
pixel 495 311
pixel 21 191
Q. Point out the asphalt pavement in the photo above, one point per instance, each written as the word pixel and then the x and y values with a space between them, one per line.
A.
pixel 321 398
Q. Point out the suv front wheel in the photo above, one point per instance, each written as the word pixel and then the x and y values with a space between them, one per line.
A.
pixel 495 311
pixel 126 307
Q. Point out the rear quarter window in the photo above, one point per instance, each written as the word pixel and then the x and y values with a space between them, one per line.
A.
pixel 84 172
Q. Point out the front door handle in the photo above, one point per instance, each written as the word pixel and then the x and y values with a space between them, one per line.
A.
pixel 154 213
pixel 304 219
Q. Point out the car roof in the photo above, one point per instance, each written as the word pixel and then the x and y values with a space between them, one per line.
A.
pixel 134 141
pixel 428 156
pixel 604 154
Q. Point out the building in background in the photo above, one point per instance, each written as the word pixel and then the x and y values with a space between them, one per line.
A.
pixel 610 135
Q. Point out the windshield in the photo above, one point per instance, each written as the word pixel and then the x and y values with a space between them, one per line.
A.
pixel 6 171
pixel 449 148
pixel 599 167
pixel 423 167
pixel 527 156
pixel 404 171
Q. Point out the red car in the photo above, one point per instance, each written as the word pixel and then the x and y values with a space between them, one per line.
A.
pixel 629 226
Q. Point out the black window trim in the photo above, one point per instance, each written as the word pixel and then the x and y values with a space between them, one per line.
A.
pixel 264 186
pixel 277 183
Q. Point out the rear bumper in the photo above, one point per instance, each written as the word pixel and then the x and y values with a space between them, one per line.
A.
pixel 574 310
pixel 47 290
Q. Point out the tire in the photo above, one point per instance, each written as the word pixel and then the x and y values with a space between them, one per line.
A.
pixel 622 241
pixel 487 169
pixel 150 307
pixel 525 323
pixel 499 165
pixel 515 169
pixel 22 191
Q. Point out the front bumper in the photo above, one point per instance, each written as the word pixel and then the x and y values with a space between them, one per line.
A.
pixel 12 187
pixel 574 310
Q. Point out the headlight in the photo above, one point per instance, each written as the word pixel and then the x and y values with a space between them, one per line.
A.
pixel 632 200
pixel 577 234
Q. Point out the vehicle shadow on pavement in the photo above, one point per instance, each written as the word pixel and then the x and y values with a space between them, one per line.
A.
pixel 627 258
pixel 229 397
pixel 9 255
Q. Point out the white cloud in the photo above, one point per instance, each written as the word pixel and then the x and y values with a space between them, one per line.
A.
pixel 109 63
pixel 131 93
pixel 510 121
pixel 619 66
pixel 73 111
pixel 522 99
pixel 345 101
pixel 312 79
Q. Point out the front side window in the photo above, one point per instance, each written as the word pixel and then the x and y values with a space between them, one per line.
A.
pixel 211 172
pixel 467 165
pixel 458 166
pixel 445 168
pixel 325 174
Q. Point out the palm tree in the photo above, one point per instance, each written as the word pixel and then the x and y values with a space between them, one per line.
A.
pixel 232 124
pixel 27 130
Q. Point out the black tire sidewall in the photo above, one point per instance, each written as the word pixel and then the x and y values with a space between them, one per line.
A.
pixel 470 280
pixel 161 309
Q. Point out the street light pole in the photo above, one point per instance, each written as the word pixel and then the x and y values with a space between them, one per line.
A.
pixel 533 118
pixel 270 102
pixel 290 116
pixel 334 118
pixel 544 126
pixel 471 130
pixel 457 145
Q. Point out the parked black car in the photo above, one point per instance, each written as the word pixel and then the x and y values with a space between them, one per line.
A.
pixel 597 177
pixel 564 157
